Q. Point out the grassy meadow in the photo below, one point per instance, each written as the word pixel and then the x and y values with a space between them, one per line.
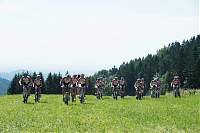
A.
pixel 167 114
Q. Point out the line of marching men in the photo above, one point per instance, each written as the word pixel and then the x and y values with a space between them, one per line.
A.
pixel 139 85
pixel 71 86
pixel 27 84
pixel 76 85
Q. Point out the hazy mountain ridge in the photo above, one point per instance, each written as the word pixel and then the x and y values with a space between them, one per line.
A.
pixel 10 75
pixel 4 83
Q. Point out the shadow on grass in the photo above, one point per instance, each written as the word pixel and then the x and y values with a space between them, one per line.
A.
pixel 104 98
pixel 78 104
pixel 43 102
pixel 89 103
pixel 30 103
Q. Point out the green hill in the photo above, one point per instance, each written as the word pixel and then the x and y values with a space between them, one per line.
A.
pixel 166 114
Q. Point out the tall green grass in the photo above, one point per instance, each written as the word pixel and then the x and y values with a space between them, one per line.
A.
pixel 167 114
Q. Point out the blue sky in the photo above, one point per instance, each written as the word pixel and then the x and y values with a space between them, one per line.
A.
pixel 89 35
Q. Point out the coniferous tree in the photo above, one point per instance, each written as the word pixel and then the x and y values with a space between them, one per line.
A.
pixel 14 87
pixel 49 84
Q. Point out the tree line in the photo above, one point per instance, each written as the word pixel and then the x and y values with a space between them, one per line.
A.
pixel 15 88
pixel 51 85
pixel 177 58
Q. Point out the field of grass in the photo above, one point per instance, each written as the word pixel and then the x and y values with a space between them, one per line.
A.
pixel 167 114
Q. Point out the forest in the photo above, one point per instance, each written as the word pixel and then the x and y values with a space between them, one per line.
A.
pixel 182 59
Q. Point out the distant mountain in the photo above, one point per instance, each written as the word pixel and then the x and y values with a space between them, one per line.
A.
pixel 4 83
pixel 10 75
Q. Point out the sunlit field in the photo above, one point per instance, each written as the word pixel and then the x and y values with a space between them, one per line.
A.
pixel 167 114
